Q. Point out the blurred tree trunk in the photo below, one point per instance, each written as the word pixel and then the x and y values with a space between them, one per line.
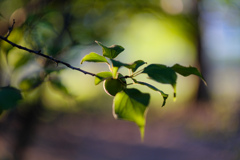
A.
pixel 203 93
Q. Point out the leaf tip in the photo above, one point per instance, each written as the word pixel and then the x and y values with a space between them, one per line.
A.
pixel 142 130
pixel 204 81
pixel 174 99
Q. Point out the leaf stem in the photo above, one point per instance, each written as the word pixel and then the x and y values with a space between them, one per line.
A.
pixel 137 73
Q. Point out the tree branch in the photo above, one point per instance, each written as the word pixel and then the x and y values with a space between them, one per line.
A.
pixel 10 29
pixel 39 53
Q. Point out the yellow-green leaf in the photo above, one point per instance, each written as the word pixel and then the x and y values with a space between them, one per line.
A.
pixel 131 105
pixel 94 57
pixel 102 76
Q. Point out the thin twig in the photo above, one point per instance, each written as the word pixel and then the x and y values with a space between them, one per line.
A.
pixel 39 53
pixel 45 56
pixel 10 29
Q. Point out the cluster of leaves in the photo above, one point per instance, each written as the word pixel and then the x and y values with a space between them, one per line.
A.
pixel 130 103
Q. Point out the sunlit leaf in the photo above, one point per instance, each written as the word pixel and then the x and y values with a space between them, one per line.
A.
pixel 134 66
pixel 9 97
pixel 94 57
pixel 131 105
pixel 162 74
pixel 165 96
pixel 116 65
pixel 102 76
pixel 186 71
pixel 111 51
pixel 113 86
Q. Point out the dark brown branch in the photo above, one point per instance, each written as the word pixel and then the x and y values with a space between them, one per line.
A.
pixel 45 56
pixel 39 52
pixel 10 29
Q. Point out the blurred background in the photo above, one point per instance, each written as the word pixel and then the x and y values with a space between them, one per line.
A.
pixel 65 116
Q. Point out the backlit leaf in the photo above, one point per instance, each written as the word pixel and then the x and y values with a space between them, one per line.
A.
pixel 131 105
pixel 116 66
pixel 134 66
pixel 102 76
pixel 94 57
pixel 186 71
pixel 111 51
pixel 162 74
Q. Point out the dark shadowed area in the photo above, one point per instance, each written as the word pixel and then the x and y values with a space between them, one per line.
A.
pixel 64 115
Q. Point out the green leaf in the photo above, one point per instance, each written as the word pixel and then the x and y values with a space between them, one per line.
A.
pixel 102 76
pixel 9 97
pixel 135 65
pixel 165 96
pixel 186 71
pixel 113 86
pixel 131 105
pixel 94 57
pixel 116 66
pixel 162 74
pixel 111 51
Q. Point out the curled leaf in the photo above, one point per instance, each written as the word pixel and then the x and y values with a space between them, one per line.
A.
pixel 135 65
pixel 111 51
pixel 113 86
pixel 186 71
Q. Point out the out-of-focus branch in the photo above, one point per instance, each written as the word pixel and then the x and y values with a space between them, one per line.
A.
pixel 10 29
pixel 39 53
